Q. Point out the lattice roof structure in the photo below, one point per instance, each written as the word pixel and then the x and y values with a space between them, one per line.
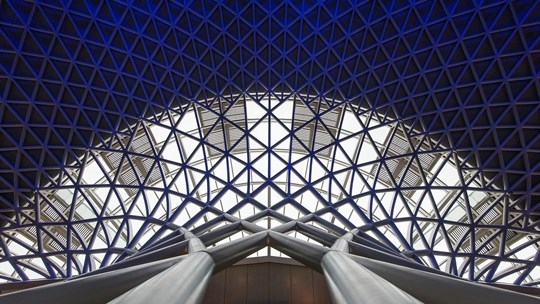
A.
pixel 414 126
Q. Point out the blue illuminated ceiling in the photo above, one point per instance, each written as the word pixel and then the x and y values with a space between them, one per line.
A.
pixel 95 96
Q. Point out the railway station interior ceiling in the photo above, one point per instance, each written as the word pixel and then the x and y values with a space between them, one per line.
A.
pixel 416 124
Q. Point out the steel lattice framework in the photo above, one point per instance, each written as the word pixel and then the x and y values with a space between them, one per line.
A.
pixel 410 126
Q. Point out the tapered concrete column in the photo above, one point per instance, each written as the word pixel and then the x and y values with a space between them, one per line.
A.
pixel 350 282
pixel 183 283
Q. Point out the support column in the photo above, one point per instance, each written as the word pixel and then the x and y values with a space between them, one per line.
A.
pixel 351 283
pixel 183 283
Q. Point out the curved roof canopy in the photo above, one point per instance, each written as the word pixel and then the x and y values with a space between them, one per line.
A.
pixel 416 124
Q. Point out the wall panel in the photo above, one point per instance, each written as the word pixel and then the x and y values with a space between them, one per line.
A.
pixel 268 281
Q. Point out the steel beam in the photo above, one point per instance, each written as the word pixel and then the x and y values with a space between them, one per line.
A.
pixel 234 251
pixel 317 234
pixel 220 233
pixel 99 288
pixel 307 253
pixel 365 251
pixel 435 288
pixel 147 257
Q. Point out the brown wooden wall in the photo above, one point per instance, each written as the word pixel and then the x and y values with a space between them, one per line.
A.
pixel 267 282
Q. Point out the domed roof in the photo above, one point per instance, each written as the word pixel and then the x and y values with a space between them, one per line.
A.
pixel 416 124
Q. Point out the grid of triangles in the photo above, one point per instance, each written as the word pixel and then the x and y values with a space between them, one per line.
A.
pixel 86 86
